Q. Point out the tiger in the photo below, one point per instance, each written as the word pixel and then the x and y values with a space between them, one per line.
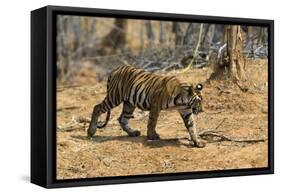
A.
pixel 137 88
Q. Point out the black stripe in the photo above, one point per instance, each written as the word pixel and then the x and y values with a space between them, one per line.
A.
pixel 139 85
pixel 126 79
pixel 186 116
pixel 105 107
pixel 114 82
pixel 133 80
pixel 176 98
pixel 127 117
pixel 126 112
pixel 168 79
pixel 145 106
pixel 191 101
pixel 169 99
pixel 119 92
pixel 111 104
pixel 129 82
pixel 144 89
pixel 149 87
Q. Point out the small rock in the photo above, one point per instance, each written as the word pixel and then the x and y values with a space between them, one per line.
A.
pixel 107 161
pixel 167 164
pixel 185 158
pixel 264 110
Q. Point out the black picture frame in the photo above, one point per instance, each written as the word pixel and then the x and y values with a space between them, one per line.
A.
pixel 43 96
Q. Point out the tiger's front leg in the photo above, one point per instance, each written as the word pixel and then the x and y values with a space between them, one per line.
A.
pixel 152 121
pixel 189 122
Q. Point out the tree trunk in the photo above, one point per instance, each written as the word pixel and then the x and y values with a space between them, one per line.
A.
pixel 149 33
pixel 179 35
pixel 250 41
pixel 233 62
pixel 207 36
pixel 116 38
pixel 235 53
pixel 262 36
pixel 162 37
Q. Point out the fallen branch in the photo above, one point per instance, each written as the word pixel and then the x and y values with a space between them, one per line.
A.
pixel 213 136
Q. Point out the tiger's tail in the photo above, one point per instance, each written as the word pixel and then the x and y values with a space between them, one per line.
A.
pixel 94 124
pixel 106 120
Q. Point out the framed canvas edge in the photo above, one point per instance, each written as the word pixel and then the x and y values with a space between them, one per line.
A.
pixel 52 182
pixel 38 100
pixel 160 177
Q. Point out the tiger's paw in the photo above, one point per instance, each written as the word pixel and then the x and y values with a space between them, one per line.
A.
pixel 199 144
pixel 153 136
pixel 134 133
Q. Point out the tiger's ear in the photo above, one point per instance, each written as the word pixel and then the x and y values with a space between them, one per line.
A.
pixel 199 87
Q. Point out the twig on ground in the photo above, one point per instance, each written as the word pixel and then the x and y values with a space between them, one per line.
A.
pixel 217 112
pixel 67 108
pixel 242 88
pixel 74 124
pixel 222 90
pixel 69 129
pixel 67 86
pixel 220 123
pixel 83 120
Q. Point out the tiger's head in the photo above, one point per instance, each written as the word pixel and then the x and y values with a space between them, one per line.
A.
pixel 190 98
pixel 196 99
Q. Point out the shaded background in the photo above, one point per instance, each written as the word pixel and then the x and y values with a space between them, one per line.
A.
pixel 94 45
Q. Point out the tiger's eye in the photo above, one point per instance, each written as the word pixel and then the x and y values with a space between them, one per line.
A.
pixel 199 87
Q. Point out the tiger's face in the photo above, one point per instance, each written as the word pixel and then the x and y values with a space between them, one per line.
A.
pixel 196 105
pixel 192 98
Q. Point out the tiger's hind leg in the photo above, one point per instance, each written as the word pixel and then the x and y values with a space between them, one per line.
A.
pixel 126 114
pixel 152 121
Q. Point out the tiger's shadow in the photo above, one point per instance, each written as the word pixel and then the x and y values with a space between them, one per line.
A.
pixel 177 142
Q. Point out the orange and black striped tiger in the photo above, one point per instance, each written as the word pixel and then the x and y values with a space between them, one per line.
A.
pixel 136 87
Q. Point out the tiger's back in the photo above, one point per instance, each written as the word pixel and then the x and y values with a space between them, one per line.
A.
pixel 138 87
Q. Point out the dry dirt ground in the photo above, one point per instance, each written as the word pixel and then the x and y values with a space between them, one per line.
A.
pixel 113 153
